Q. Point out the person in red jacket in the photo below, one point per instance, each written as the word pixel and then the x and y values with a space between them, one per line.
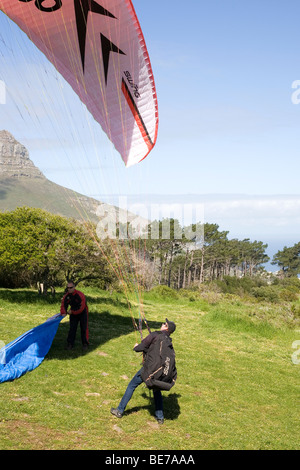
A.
pixel 75 300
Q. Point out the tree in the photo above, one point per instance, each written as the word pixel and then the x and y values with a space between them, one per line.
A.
pixel 165 242
pixel 288 260
pixel 37 246
pixel 210 249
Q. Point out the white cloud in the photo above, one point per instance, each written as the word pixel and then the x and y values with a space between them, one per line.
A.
pixel 275 220
pixel 281 210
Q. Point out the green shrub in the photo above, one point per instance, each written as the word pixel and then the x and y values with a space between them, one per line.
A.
pixel 288 295
pixel 239 286
pixel 266 293
pixel 292 283
pixel 164 291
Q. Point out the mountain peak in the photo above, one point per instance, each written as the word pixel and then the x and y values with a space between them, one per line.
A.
pixel 14 158
pixel 6 136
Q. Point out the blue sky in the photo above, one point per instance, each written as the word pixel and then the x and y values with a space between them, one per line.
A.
pixel 228 131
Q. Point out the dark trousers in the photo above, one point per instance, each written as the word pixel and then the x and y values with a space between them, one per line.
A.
pixel 81 318
pixel 133 384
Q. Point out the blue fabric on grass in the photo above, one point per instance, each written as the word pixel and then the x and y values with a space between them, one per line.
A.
pixel 27 351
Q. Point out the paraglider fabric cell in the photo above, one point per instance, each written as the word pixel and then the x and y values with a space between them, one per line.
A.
pixel 99 48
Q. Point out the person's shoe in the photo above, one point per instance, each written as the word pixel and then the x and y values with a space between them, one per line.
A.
pixel 160 420
pixel 116 412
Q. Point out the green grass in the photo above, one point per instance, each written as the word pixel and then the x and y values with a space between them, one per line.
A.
pixel 237 386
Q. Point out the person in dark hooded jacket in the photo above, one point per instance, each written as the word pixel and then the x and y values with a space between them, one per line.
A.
pixel 167 328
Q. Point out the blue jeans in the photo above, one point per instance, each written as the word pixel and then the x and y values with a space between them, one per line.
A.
pixel 133 384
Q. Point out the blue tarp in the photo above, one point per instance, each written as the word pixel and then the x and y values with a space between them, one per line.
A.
pixel 28 351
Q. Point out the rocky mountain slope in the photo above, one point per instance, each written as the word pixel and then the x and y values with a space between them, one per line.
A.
pixel 14 159
pixel 23 184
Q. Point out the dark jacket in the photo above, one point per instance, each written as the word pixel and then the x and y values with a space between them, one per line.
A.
pixel 146 342
pixel 159 366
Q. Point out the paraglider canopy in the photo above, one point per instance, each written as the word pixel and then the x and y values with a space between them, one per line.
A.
pixel 99 48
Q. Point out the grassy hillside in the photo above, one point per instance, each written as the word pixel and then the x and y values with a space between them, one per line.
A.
pixel 42 193
pixel 237 387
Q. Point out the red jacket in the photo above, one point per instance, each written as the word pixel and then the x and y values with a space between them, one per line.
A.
pixel 76 300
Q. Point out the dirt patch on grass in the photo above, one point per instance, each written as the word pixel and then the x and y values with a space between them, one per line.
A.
pixel 26 435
